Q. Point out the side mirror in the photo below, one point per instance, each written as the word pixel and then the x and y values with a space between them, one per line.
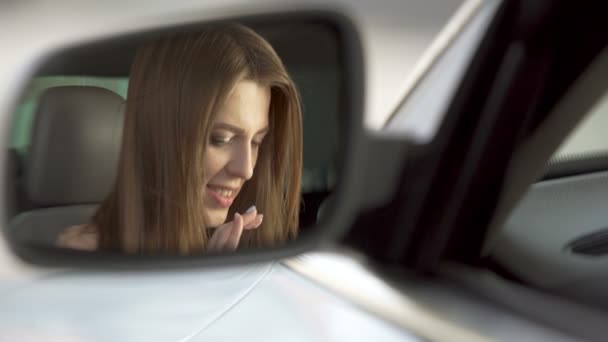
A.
pixel 152 147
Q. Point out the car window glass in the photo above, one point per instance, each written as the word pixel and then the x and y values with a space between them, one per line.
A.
pixel 589 137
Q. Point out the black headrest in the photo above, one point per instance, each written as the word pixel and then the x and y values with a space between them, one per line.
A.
pixel 75 146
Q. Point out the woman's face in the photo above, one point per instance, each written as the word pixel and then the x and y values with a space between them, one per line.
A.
pixel 232 149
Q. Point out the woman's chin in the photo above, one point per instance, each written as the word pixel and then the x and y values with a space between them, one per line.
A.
pixel 216 217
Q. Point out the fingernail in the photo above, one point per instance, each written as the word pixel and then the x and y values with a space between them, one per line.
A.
pixel 251 209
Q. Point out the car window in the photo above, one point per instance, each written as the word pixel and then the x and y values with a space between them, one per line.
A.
pixel 589 137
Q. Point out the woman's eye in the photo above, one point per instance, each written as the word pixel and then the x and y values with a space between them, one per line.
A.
pixel 256 143
pixel 219 141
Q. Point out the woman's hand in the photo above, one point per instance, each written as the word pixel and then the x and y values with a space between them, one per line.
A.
pixel 227 236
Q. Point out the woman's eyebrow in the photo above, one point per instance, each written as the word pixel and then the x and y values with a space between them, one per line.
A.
pixel 238 130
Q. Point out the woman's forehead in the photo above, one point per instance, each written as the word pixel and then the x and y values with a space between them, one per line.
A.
pixel 246 107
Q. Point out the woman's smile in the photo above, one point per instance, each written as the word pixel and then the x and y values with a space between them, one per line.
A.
pixel 221 195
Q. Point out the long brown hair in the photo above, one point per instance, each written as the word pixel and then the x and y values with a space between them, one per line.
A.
pixel 177 85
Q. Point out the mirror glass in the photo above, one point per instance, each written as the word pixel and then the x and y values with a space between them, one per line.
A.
pixel 201 139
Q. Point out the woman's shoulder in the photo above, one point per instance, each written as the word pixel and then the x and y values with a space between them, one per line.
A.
pixel 83 237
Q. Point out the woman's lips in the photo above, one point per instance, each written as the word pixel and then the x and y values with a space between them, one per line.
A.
pixel 222 196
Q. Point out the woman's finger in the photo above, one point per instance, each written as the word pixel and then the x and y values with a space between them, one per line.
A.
pixel 228 235
pixel 257 221
pixel 212 244
pixel 232 241
pixel 219 237
pixel 225 241
pixel 250 215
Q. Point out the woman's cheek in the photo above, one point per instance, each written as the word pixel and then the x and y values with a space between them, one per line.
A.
pixel 212 161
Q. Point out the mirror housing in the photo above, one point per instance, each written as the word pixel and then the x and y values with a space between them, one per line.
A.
pixel 353 159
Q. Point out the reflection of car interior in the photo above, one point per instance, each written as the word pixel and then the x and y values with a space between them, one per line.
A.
pixel 557 237
pixel 66 133
pixel 71 161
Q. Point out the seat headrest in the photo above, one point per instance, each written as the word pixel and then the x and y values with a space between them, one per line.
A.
pixel 75 146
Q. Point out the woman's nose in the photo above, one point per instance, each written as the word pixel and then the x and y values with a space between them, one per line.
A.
pixel 242 162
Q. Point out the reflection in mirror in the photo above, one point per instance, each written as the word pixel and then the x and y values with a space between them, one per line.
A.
pixel 210 140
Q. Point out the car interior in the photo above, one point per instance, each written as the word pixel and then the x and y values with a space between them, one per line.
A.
pixel 67 128
pixel 557 238
pixel 543 253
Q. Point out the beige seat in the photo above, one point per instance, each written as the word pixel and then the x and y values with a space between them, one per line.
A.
pixel 72 160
